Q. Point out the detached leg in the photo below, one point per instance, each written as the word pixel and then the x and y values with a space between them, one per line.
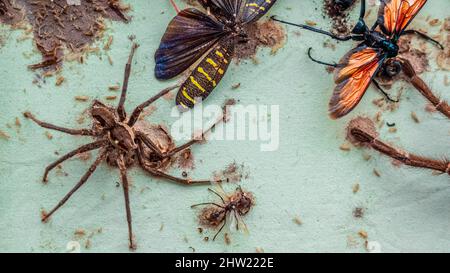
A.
pixel 424 89
pixel 123 96
pixel 138 110
pixel 123 175
pixel 82 132
pixel 397 154
pixel 80 150
pixel 423 36
pixel 83 180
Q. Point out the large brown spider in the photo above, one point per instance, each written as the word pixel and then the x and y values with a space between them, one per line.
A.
pixel 122 144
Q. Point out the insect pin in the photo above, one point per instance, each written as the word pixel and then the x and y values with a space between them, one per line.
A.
pixel 376 52
pixel 209 37
pixel 233 206
pixel 122 144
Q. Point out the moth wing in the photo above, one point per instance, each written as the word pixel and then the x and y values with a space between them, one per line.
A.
pixel 354 75
pixel 395 15
pixel 255 9
pixel 224 8
pixel 207 75
pixel 188 36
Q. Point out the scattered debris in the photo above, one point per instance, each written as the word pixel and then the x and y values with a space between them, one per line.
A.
pixel 345 147
pixel 338 11
pixel 297 220
pixel 358 212
pixel 58 25
pixel 360 123
pixel 233 173
pixel 356 188
pixel 376 173
pixel 81 98
pixel 363 234
pixel 266 34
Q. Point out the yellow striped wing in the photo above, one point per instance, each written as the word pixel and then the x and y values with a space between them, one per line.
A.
pixel 207 75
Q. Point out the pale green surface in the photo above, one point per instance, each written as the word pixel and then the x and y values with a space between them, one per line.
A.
pixel 406 209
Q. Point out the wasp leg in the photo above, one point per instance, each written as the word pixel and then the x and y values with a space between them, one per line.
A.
pixel 386 95
pixel 320 62
pixel 424 36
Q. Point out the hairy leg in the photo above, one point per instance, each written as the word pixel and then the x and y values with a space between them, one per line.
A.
pixel 83 132
pixel 397 154
pixel 123 96
pixel 80 150
pixel 138 110
pixel 424 89
pixel 193 141
pixel 83 180
pixel 123 175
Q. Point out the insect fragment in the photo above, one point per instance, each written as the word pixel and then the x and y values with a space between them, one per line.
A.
pixel 232 207
pixel 378 46
pixel 209 37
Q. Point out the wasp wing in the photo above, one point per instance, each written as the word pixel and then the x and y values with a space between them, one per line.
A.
pixel 208 73
pixel 255 9
pixel 189 36
pixel 394 16
pixel 353 76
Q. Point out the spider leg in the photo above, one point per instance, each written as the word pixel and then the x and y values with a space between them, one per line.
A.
pixel 83 132
pixel 320 62
pixel 158 173
pixel 224 223
pixel 123 96
pixel 138 110
pixel 149 143
pixel 83 180
pixel 386 95
pixel 80 150
pixel 193 141
pixel 169 177
pixel 123 175
pixel 424 36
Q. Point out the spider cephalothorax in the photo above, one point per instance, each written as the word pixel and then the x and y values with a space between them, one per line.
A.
pixel 123 141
